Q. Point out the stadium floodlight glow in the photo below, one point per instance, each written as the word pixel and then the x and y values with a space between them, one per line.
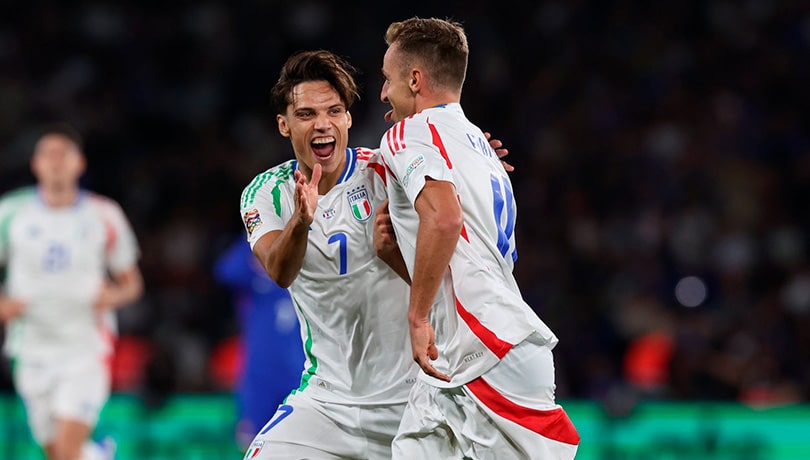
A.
pixel 690 291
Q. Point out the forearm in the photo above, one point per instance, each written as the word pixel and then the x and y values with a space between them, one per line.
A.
pixel 126 287
pixel 283 257
pixel 392 256
pixel 440 223
pixel 434 248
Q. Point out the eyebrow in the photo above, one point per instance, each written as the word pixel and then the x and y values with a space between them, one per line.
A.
pixel 341 105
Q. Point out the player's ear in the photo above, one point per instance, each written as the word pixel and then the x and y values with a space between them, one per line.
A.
pixel 283 128
pixel 83 163
pixel 348 119
pixel 415 82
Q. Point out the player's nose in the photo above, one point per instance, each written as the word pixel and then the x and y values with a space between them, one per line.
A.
pixel 322 121
pixel 384 93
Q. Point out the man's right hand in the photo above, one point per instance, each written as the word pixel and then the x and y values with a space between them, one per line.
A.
pixel 306 195
pixel 10 308
pixel 424 348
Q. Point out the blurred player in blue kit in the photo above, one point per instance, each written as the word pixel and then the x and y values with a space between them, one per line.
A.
pixel 269 337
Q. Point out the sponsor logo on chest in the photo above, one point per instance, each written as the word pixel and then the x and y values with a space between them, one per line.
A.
pixel 359 203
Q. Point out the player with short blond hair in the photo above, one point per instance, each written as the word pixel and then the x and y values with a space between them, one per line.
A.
pixel 487 390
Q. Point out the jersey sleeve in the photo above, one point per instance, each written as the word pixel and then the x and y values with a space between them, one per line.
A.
pixel 5 224
pixel 265 207
pixel 10 204
pixel 122 246
pixel 412 154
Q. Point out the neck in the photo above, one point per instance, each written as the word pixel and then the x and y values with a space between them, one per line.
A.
pixel 436 99
pixel 328 182
pixel 59 197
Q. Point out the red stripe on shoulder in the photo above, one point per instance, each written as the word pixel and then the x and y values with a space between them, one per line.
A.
pixel 553 424
pixel 401 139
pixel 380 170
pixel 388 168
pixel 389 140
pixel 463 225
pixel 437 141
pixel 363 154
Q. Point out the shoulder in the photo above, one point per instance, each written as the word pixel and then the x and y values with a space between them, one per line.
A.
pixel 408 131
pixel 281 173
pixel 17 197
pixel 107 207
pixel 19 194
pixel 102 201
pixel 370 161
pixel 366 156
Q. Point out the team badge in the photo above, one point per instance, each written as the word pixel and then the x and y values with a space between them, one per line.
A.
pixel 254 449
pixel 358 201
pixel 252 221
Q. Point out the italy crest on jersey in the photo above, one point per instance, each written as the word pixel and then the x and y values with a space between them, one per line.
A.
pixel 358 201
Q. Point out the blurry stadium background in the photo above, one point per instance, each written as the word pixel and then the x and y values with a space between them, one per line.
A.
pixel 663 180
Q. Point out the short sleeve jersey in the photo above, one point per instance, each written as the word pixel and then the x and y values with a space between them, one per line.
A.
pixel 352 307
pixel 56 261
pixel 480 313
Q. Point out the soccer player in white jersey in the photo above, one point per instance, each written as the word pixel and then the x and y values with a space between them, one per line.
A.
pixel 487 390
pixel 310 223
pixel 58 243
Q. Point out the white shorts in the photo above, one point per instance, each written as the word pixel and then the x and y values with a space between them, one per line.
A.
pixel 304 428
pixel 508 413
pixel 74 389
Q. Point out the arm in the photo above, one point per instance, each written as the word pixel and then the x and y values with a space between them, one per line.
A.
pixel 281 252
pixel 385 243
pixel 10 308
pixel 125 287
pixel 440 223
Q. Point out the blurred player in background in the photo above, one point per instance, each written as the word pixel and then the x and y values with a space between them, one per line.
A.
pixel 269 337
pixel 489 391
pixel 71 259
pixel 309 222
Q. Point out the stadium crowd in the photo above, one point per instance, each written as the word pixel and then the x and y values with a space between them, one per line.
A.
pixel 662 155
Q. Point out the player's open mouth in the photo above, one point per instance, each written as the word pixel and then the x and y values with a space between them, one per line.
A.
pixel 323 147
pixel 389 116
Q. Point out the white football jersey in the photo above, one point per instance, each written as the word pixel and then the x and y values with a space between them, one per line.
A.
pixel 480 312
pixel 352 307
pixel 56 261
